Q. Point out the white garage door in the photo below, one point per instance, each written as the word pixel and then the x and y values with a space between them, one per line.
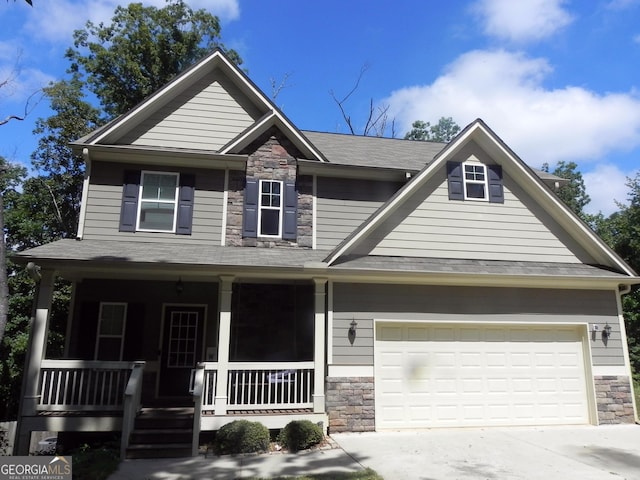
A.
pixel 437 375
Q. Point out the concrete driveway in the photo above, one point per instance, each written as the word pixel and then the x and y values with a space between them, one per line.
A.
pixel 536 453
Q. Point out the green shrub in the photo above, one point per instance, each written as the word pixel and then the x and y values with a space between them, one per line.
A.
pixel 96 462
pixel 300 435
pixel 242 436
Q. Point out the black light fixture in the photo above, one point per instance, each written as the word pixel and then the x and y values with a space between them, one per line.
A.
pixel 179 286
pixel 606 331
pixel 353 326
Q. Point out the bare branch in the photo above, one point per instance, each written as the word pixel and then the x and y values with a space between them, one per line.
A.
pixel 28 106
pixel 341 103
pixel 277 88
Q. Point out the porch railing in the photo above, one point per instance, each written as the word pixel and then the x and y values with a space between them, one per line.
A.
pixel 262 386
pixel 79 385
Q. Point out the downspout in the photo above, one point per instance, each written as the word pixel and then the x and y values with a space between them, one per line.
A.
pixel 624 289
pixel 85 193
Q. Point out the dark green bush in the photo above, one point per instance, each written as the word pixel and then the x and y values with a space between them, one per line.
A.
pixel 241 436
pixel 300 435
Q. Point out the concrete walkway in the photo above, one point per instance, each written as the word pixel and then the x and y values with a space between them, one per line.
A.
pixel 544 453
pixel 229 467
pixel 535 453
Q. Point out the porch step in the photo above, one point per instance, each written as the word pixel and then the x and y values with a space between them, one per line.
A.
pixel 162 433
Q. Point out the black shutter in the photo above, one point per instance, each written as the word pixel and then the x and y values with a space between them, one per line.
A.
pixel 83 344
pixel 129 209
pixel 185 204
pixel 290 213
pixel 496 189
pixel 250 213
pixel 455 181
pixel 134 333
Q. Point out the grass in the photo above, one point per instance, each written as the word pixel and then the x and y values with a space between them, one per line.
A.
pixel 636 391
pixel 367 474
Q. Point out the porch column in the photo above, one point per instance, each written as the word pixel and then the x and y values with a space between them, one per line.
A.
pixel 224 339
pixel 36 350
pixel 319 345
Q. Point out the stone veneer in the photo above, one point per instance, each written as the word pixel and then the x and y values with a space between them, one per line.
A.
pixel 272 157
pixel 350 404
pixel 614 399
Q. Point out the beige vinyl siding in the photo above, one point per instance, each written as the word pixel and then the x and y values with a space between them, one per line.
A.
pixel 105 198
pixel 207 116
pixel 431 225
pixel 343 204
pixel 366 303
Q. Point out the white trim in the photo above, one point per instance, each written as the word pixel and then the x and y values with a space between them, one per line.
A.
pixel 225 208
pixel 261 207
pixel 330 284
pixel 473 163
pixel 174 202
pixel 85 193
pixel 314 212
pixel 625 349
pixel 350 371
pixel 610 370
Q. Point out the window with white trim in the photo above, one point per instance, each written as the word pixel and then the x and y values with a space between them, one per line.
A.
pixel 270 208
pixel 112 321
pixel 475 181
pixel 158 200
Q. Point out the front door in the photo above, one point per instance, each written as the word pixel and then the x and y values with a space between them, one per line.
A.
pixel 181 348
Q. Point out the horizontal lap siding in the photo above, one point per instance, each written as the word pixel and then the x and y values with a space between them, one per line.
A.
pixel 366 303
pixel 104 199
pixel 429 224
pixel 207 116
pixel 343 204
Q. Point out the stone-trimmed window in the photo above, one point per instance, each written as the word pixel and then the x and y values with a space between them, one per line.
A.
pixel 270 209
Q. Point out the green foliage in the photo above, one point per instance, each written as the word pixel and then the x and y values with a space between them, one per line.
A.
pixel 574 193
pixel 300 435
pixel 242 436
pixel 95 462
pixel 141 50
pixel 443 131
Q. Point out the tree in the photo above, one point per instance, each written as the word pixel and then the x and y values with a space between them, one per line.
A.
pixel 444 131
pixel 120 64
pixel 574 193
pixel 141 50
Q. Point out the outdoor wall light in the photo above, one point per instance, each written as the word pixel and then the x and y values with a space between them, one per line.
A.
pixel 352 328
pixel 606 331
pixel 179 286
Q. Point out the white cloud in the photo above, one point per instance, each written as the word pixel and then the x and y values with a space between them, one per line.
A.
pixel 542 125
pixel 522 20
pixel 606 185
pixel 53 21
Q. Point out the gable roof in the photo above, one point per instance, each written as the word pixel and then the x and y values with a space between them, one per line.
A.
pixel 480 133
pixel 216 61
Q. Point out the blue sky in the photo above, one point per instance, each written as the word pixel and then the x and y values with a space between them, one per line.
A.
pixel 556 80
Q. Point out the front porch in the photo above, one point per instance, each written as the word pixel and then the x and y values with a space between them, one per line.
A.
pixel 95 394
pixel 76 395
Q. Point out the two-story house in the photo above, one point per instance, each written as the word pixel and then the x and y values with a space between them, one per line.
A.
pixel 228 265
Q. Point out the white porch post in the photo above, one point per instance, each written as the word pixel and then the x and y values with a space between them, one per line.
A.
pixel 224 340
pixel 35 354
pixel 319 345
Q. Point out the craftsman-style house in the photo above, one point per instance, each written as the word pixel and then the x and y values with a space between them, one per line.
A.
pixel 228 265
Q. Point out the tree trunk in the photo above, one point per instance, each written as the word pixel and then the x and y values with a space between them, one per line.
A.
pixel 4 287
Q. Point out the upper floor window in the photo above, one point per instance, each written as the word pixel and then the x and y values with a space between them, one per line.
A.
pixel 158 201
pixel 270 208
pixel 473 180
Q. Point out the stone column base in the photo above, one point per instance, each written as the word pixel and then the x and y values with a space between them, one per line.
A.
pixel 350 404
pixel 614 397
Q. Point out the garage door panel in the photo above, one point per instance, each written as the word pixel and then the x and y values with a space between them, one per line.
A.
pixel 448 375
